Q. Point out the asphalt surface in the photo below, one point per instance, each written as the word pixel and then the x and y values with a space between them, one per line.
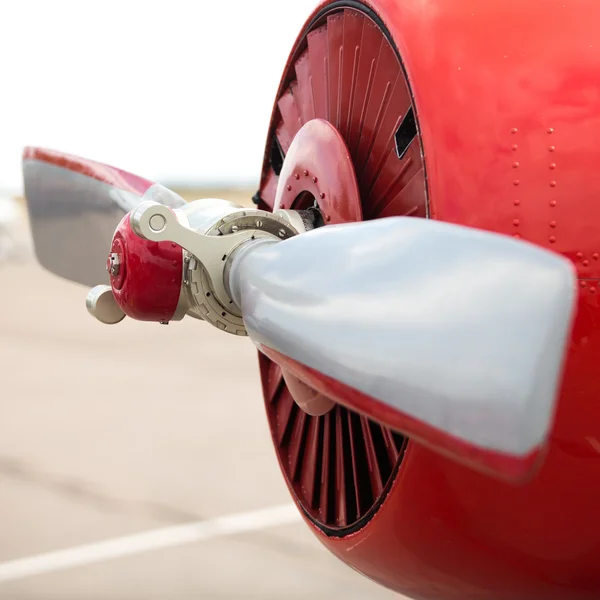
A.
pixel 107 431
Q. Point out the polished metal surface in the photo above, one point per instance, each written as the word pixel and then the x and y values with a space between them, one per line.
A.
pixel 223 228
pixel 462 329
pixel 102 305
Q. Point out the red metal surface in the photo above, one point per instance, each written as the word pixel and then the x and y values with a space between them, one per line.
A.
pixel 307 398
pixel 508 103
pixel 105 173
pixel 319 162
pixel 148 284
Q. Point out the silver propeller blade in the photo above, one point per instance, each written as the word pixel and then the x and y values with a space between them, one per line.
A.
pixel 74 207
pixel 452 331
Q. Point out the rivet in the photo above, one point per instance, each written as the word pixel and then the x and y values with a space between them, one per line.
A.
pixel 595 256
pixel 173 245
pixel 175 263
pixel 516 202
pixel 328 218
pixel 296 176
pixel 579 255
pixel 514 147
pixel 516 222
pixel 515 165
pixel 550 130
pixel 514 130
pixel 592 290
pixel 289 188
pixel 551 148
pixel 552 224
pixel 583 283
pixel 552 239
pixel 552 202
pixel 305 173
pixel 516 182
pixel 322 195
pixel 585 263
pixel 553 165
pixel 516 235
pixel 282 205
pixel 553 184
pixel 315 179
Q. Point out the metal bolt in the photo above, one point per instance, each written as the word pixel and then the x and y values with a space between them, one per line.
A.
pixel 259 224
pixel 234 228
pixel 281 233
pixel 113 266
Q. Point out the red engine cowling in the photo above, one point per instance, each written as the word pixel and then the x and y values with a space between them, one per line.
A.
pixel 487 115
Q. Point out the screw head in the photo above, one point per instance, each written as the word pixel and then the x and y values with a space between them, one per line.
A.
pixel 113 264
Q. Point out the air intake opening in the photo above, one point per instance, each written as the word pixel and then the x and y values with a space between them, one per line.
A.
pixel 277 156
pixel 406 133
pixel 341 466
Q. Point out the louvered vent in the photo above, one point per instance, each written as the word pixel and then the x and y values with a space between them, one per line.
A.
pixel 346 71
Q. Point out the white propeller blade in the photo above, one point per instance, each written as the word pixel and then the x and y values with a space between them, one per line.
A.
pixel 75 205
pixel 454 335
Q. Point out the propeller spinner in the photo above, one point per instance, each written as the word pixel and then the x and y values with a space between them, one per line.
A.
pixel 451 335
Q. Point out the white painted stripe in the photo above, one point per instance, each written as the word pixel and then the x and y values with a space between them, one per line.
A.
pixel 148 541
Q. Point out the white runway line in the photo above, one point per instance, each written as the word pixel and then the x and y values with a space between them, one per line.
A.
pixel 150 540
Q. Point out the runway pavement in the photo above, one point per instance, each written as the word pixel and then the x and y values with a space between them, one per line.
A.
pixel 112 431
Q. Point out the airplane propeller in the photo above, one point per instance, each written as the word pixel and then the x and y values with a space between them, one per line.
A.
pixel 74 205
pixel 449 334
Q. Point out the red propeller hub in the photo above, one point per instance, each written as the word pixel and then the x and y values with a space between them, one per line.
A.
pixel 145 276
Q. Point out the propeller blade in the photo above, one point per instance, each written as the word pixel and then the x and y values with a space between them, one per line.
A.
pixel 452 335
pixel 75 205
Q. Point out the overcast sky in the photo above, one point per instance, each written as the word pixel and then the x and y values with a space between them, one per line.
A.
pixel 176 90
